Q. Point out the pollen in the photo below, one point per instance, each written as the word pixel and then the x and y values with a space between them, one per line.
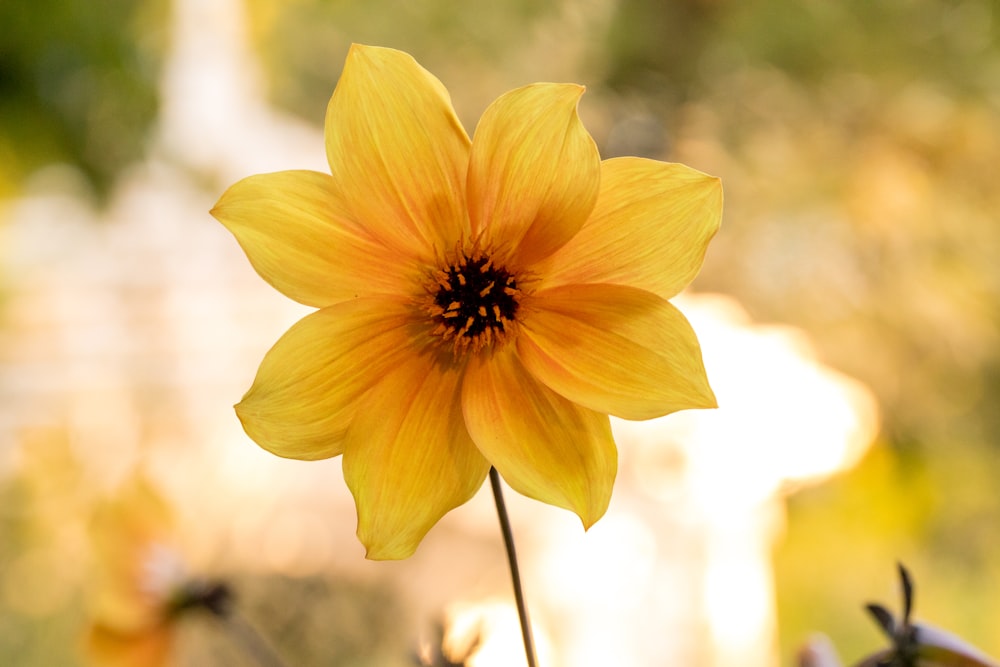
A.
pixel 473 302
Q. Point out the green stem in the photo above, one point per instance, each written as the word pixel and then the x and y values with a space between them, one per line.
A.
pixel 515 574
pixel 217 598
pixel 251 640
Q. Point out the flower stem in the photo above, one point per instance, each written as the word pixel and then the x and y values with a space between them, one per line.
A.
pixel 217 598
pixel 252 642
pixel 515 574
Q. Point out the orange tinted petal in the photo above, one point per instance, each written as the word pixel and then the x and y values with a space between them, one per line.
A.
pixel 300 238
pixel 546 447
pixel 534 170
pixel 614 349
pixel 306 390
pixel 105 647
pixel 408 458
pixel 397 151
pixel 650 229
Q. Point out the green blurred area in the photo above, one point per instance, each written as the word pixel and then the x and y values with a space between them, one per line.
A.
pixel 46 559
pixel 857 142
pixel 77 84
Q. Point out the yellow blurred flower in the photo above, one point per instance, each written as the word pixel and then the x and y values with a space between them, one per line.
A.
pixel 483 302
pixel 139 585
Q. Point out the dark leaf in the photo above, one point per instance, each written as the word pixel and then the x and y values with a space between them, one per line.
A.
pixel 907 583
pixel 883 618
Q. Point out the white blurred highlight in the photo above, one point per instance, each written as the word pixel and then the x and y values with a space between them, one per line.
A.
pixel 491 631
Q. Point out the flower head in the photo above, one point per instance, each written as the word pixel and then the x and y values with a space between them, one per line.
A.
pixel 483 302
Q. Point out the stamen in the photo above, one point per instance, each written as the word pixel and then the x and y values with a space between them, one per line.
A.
pixel 441 278
pixel 473 302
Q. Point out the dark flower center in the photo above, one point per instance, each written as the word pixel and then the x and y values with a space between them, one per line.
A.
pixel 474 302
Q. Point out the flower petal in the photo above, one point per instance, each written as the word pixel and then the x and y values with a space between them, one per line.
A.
pixel 650 229
pixel 615 349
pixel 534 170
pixel 546 447
pixel 308 385
pixel 300 238
pixel 408 458
pixel 940 647
pixel 397 151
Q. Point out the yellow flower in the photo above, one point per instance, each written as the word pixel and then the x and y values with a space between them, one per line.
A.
pixel 483 302
pixel 141 587
pixel 138 580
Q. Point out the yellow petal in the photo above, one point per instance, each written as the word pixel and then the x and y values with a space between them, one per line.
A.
pixel 298 235
pixel 534 170
pixel 546 447
pixel 614 349
pixel 408 458
pixel 305 392
pixel 397 151
pixel 650 229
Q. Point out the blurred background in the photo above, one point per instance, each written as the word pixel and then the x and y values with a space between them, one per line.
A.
pixel 847 309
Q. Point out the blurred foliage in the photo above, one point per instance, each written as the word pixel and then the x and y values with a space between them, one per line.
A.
pixel 40 524
pixel 318 620
pixel 304 41
pixel 654 46
pixel 78 84
pixel 331 621
pixel 44 557
pixel 935 40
